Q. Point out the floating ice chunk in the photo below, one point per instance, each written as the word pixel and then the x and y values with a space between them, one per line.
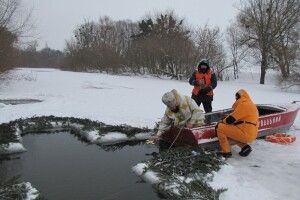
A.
pixel 92 136
pixel 202 141
pixel 32 192
pixel 76 126
pixel 117 137
pixel 112 138
pixel 143 136
pixel 12 148
pixel 18 135
pixel 56 124
pixel 148 176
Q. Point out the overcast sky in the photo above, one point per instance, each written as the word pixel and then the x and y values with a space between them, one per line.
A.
pixel 55 20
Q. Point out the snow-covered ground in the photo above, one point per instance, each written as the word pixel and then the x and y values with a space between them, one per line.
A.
pixel 270 172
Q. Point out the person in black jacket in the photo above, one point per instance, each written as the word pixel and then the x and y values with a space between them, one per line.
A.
pixel 204 81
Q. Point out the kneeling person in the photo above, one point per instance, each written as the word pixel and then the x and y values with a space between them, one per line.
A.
pixel 181 111
pixel 241 125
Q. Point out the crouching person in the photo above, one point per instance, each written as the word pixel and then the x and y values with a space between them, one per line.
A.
pixel 241 125
pixel 181 111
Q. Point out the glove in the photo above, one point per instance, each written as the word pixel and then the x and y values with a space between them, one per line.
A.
pixel 230 119
pixel 205 90
pixel 201 83
pixel 195 82
pixel 150 141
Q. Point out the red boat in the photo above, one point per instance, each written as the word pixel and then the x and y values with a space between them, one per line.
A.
pixel 272 119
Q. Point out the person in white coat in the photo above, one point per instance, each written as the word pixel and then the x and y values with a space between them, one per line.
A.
pixel 181 111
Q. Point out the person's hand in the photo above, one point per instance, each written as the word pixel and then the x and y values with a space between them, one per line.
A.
pixel 201 83
pixel 205 90
pixel 189 125
pixel 156 139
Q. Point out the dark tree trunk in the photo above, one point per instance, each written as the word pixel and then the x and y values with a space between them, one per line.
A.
pixel 283 70
pixel 263 69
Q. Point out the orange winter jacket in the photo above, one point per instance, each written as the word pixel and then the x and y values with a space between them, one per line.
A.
pixel 244 109
pixel 245 114
pixel 206 77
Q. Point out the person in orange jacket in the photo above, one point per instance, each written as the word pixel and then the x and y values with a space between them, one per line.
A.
pixel 241 125
pixel 204 81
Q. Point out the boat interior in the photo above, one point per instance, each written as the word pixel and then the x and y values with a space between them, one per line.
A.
pixel 216 116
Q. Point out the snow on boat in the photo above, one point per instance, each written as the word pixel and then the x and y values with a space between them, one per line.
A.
pixel 272 119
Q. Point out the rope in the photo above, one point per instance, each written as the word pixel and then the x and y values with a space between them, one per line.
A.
pixel 175 138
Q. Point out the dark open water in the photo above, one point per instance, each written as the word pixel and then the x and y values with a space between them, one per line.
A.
pixel 62 167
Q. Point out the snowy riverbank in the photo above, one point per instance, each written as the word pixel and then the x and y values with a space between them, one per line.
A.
pixel 270 172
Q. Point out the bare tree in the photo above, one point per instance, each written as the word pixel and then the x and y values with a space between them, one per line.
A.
pixel 209 46
pixel 284 52
pixel 46 57
pixel 176 46
pixel 100 45
pixel 15 18
pixel 8 10
pixel 263 22
pixel 13 23
pixel 236 50
pixel 7 50
pixel 294 77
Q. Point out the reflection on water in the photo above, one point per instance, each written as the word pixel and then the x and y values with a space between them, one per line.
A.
pixel 61 167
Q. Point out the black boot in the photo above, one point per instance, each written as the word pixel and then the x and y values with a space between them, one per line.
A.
pixel 246 150
pixel 225 155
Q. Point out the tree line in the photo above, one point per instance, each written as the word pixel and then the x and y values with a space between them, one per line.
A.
pixel 158 45
pixel 264 33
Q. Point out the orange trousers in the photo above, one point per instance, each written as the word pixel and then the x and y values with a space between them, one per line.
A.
pixel 242 134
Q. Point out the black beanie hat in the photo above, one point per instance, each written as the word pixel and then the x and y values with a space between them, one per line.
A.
pixel 203 62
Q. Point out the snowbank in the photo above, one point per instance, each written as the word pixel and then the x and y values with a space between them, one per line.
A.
pixel 270 172
pixel 112 138
pixel 12 148
pixel 204 141
pixel 91 136
pixel 136 101
pixel 32 193
pixel 148 176
pixel 11 189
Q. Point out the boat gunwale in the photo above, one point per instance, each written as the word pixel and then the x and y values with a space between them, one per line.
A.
pixel 287 109
pixel 282 109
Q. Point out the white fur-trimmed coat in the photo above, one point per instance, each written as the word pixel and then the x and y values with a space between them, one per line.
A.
pixel 189 112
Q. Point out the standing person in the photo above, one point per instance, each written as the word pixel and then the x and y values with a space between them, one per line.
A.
pixel 204 81
pixel 181 111
pixel 241 125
